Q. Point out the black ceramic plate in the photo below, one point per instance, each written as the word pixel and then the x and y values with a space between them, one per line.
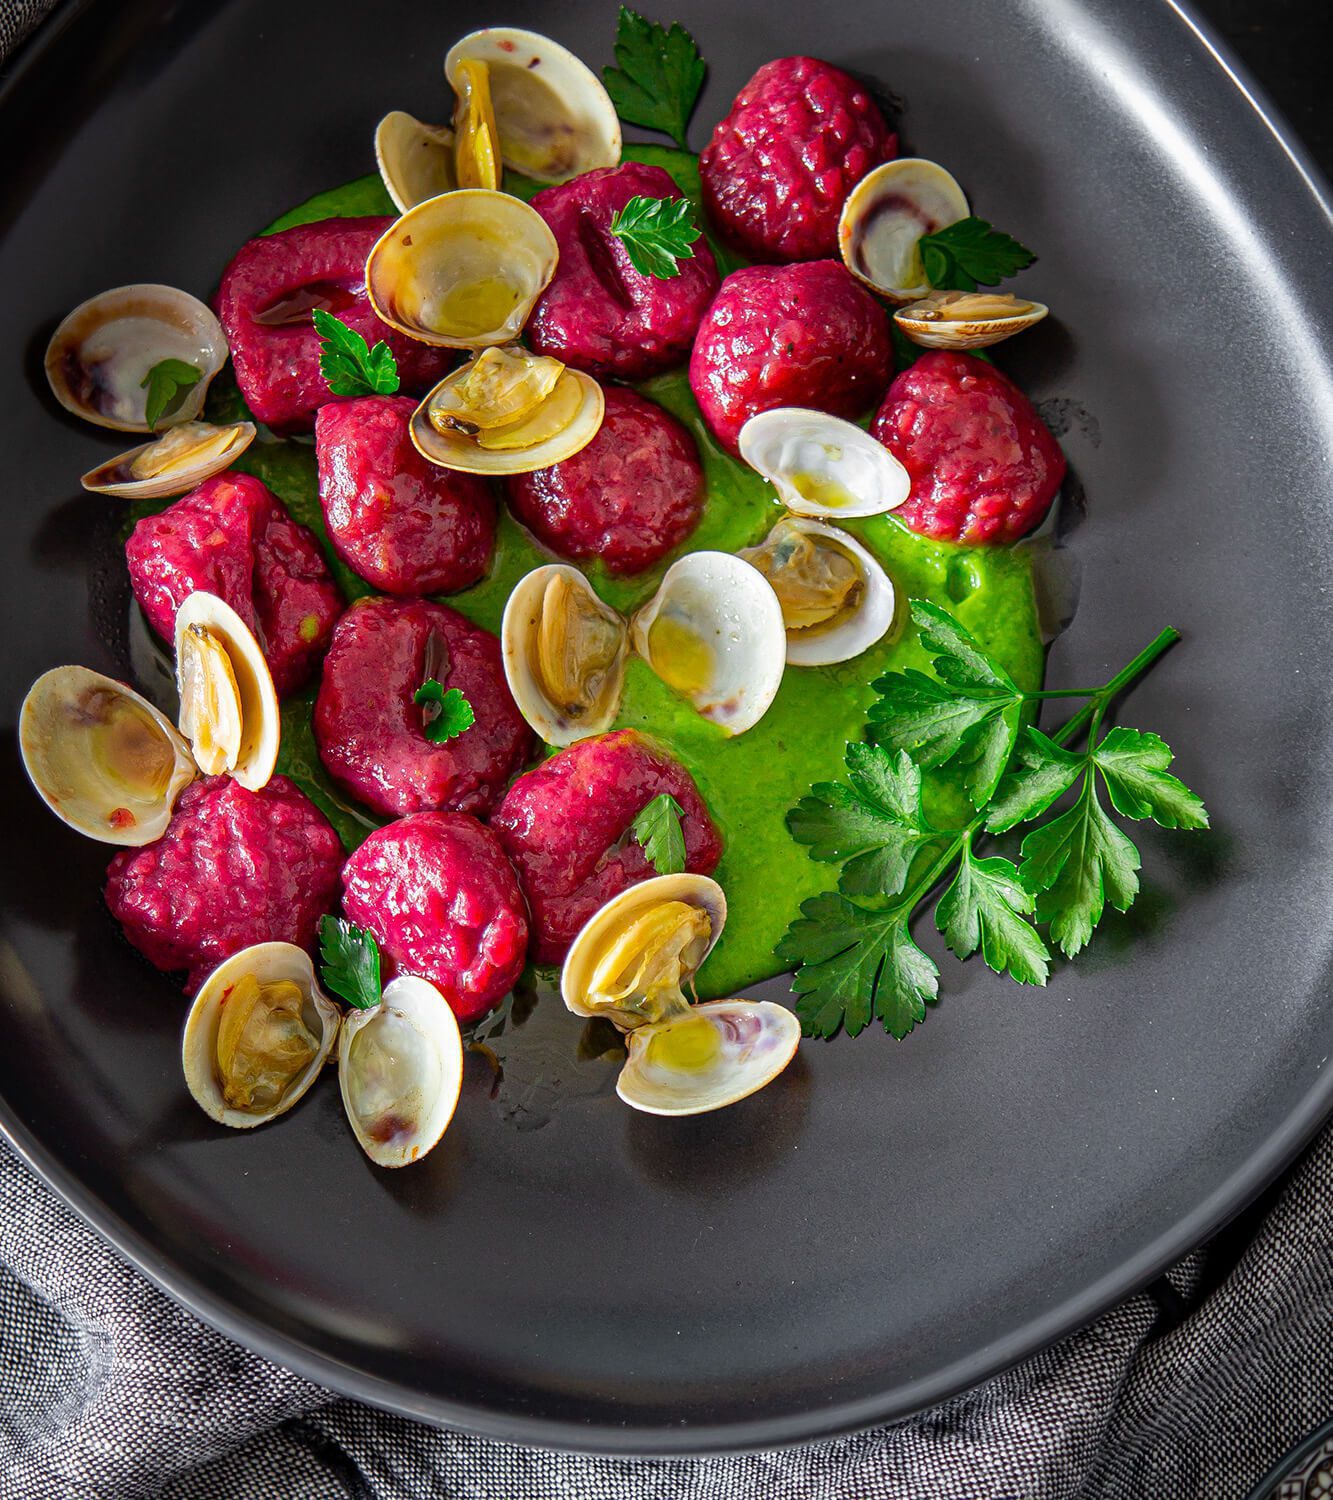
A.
pixel 891 1222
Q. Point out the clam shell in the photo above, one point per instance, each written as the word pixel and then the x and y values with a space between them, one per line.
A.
pixel 669 1073
pixel 73 769
pixel 519 634
pixel 722 612
pixel 462 270
pixel 400 1069
pixel 102 351
pixel 115 477
pixel 936 332
pixel 606 925
pixel 456 450
pixel 261 719
pixel 884 217
pixel 268 962
pixel 868 623
pixel 416 160
pixel 553 117
pixel 822 466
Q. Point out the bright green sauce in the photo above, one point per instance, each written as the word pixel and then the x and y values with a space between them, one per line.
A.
pixel 749 781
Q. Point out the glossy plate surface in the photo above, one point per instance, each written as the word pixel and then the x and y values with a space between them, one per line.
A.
pixel 890 1222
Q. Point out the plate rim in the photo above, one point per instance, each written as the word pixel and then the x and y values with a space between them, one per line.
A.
pixel 765 1434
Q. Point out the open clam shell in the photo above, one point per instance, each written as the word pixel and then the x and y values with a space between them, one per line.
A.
pixel 708 1057
pixel 714 632
pixel 463 269
pixel 400 1069
pixel 836 599
pixel 228 705
pixel 884 218
pixel 633 958
pixel 564 654
pixel 101 757
pixel 100 355
pixel 552 115
pixel 822 466
pixel 177 462
pixel 416 160
pixel 564 424
pixel 967 320
pixel 257 1035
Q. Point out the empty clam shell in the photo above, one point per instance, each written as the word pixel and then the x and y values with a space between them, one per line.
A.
pixel 228 705
pixel 400 1069
pixel 836 599
pixel 707 1057
pixel 553 117
pixel 714 632
pixel 633 958
pixel 257 1035
pixel 564 654
pixel 177 462
pixel 416 160
pixel 884 218
pixel 823 466
pixel 101 757
pixel 462 269
pixel 967 320
pixel 99 357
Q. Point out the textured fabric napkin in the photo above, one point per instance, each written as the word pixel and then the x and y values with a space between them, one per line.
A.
pixel 1190 1392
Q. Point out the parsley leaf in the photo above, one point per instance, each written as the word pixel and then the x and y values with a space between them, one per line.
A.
pixel 1043 771
pixel 658 75
pixel 657 830
pixel 348 365
pixel 167 383
pixel 969 253
pixel 656 233
pixel 445 715
pixel 854 965
pixel 876 824
pixel 1133 765
pixel 350 962
pixel 987 907
pixel 971 715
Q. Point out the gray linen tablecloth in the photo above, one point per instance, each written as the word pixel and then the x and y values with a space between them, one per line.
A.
pixel 109 1390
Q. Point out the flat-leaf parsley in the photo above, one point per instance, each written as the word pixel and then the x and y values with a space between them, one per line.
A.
pixel 658 75
pixel 656 233
pixel 349 366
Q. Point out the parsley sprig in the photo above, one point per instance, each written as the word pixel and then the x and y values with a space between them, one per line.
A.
pixel 657 233
pixel 970 253
pixel 350 962
pixel 445 713
pixel 657 831
pixel 350 367
pixel 658 75
pixel 852 949
pixel 168 383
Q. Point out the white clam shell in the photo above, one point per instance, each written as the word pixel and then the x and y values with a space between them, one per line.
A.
pixel 100 354
pixel 115 476
pixel 964 333
pixel 261 719
pixel 58 729
pixel 400 1069
pixel 552 115
pixel 422 272
pixel 518 643
pixel 754 1042
pixel 416 160
pixel 793 442
pixel 269 963
pixel 610 920
pixel 884 218
pixel 728 611
pixel 868 623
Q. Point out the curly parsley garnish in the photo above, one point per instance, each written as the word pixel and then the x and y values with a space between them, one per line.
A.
pixel 167 383
pixel 658 75
pixel 853 952
pixel 350 962
pixel 658 832
pixel 963 256
pixel 347 363
pixel 657 233
pixel 444 714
